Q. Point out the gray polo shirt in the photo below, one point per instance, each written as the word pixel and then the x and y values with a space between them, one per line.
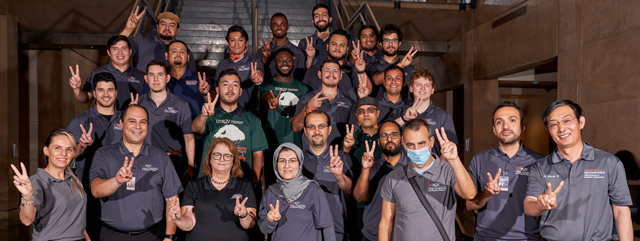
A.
pixel 370 59
pixel 145 48
pixel 156 180
pixel 60 210
pixel 437 118
pixel 348 84
pixel 249 98
pixel 299 60
pixel 390 111
pixel 591 185
pixel 503 218
pixel 340 110
pixel 373 209
pixel 379 66
pixel 320 45
pixel 168 122
pixel 412 222
pixel 131 81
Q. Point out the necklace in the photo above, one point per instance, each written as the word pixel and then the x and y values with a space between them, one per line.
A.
pixel 223 182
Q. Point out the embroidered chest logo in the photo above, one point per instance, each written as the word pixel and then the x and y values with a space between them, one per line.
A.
pixel 149 168
pixel 191 82
pixel 242 68
pixel 237 195
pixel 133 79
pixel 343 104
pixel 436 187
pixel 170 110
pixel 524 171
pixel 117 127
pixel 430 122
pixel 297 205
pixel 594 174
pixel 326 169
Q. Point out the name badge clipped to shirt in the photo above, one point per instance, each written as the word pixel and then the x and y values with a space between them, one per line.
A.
pixel 503 183
pixel 131 185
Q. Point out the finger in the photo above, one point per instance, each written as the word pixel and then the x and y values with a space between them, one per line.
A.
pixel 82 128
pixel 126 162
pixel 308 42
pixel 440 140
pixel 318 94
pixel 557 190
pixel 15 170
pixel 271 207
pixel 142 13
pixel 322 98
pixel 366 145
pixel 269 41
pixel 263 43
pixel 336 149
pixel 131 163
pixel 244 201
pixel 279 92
pixel 373 147
pixel 77 70
pixel 237 201
pixel 215 100
pixel 272 93
pixel 331 151
pixel 490 178
pixel 548 191
pixel 208 98
pixel 71 70
pixel 353 43
pixel 277 205
pixel 90 129
pixel 132 99
pixel 444 134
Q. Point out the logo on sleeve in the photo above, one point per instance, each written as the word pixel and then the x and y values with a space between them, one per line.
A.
pixel 133 80
pixel 436 187
pixel 297 205
pixel 117 127
pixel 594 173
pixel 170 110
pixel 149 168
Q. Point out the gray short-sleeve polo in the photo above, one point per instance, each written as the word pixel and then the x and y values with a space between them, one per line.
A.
pixel 348 83
pixel 168 122
pixel 249 98
pixel 340 110
pixel 591 184
pixel 320 45
pixel 436 117
pixel 131 81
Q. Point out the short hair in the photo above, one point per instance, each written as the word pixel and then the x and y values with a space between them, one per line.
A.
pixel 389 29
pixel 280 50
pixel 317 112
pixel 341 32
pixel 157 62
pixel 236 168
pixel 237 28
pixel 329 60
pixel 368 26
pixel 577 111
pixel 422 73
pixel 508 104
pixel 392 67
pixel 415 125
pixel 177 41
pixel 226 72
pixel 117 38
pixel 104 77
pixel 278 14
pixel 126 109
pixel 321 5
pixel 393 122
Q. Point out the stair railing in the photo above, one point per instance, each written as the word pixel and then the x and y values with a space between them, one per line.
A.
pixel 254 25
pixel 363 15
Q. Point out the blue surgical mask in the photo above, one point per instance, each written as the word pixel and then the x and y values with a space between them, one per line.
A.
pixel 420 156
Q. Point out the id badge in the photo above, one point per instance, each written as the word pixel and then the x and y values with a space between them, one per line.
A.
pixel 131 185
pixel 503 183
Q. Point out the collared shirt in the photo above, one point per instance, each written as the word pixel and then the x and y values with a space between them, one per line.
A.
pixel 316 167
pixel 214 208
pixel 155 180
pixel 320 46
pixel 340 110
pixel 591 185
pixel 390 111
pixel 412 222
pixel 145 48
pixel 373 209
pixel 380 65
pixel 106 132
pixel 359 147
pixel 131 81
pixel 277 122
pixel 168 122
pixel 249 97
pixel 242 127
pixel 187 88
pixel 370 59
pixel 60 209
pixel 299 60
pixel 436 118
pixel 348 83
pixel 503 218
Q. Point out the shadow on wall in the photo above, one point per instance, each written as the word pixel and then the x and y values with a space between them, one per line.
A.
pixel 630 165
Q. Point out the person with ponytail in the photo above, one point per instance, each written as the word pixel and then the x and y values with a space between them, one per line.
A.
pixel 53 199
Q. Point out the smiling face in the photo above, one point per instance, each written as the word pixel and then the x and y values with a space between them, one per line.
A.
pixel 422 88
pixel 279 27
pixel 330 74
pixel 390 44
pixel 119 53
pixel 288 164
pixel 229 89
pixel 393 82
pixel 177 55
pixel 134 126
pixel 337 47
pixel 157 78
pixel 564 127
pixel 284 63
pixel 368 40
pixel 321 19
pixel 317 129
pixel 60 151
pixel 222 164
pixel 507 125
pixel 105 94
pixel 167 29
pixel 237 43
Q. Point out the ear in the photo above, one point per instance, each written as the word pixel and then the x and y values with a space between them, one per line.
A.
pixel 45 150
pixel 320 74
pixel 166 56
pixel 109 52
pixel 168 78
pixel 431 142
pixel 146 79
pixel 330 19
pixel 495 132
pixel 582 121
pixel 330 127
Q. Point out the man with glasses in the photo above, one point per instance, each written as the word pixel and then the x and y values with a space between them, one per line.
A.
pixel 390 38
pixel 328 166
pixel 578 190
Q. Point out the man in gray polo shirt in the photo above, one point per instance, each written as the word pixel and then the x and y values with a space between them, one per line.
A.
pixel 438 180
pixel 577 190
pixel 500 176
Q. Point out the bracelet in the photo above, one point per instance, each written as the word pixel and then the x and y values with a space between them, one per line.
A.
pixel 360 72
pixel 308 111
pixel 245 215
pixel 26 203
pixel 403 119
pixel 24 199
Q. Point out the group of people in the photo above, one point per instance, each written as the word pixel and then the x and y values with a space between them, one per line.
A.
pixel 359 151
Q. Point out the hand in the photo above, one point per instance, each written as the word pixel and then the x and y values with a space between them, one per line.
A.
pixel 448 149
pixel 240 210
pixel 125 174
pixel 363 90
pixel 336 162
pixel 134 100
pixel 203 85
pixel 174 208
pixel 132 21
pixel 367 158
pixel 492 186
pixel 311 51
pixel 349 141
pixel 208 109
pixel 75 80
pixel 357 55
pixel 412 112
pixel 86 140
pixel 547 200
pixel 315 102
pixel 266 49
pixel 274 102
pixel 406 61
pixel 22 182
pixel 274 215
pixel 188 174
pixel 256 75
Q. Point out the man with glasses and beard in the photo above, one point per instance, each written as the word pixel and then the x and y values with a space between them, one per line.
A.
pixel 390 39
pixel 314 47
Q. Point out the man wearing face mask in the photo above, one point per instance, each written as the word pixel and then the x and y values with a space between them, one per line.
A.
pixel 438 181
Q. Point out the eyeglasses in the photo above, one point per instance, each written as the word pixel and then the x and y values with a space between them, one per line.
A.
pixel 566 122
pixel 369 110
pixel 331 70
pixel 320 127
pixel 390 40
pixel 285 161
pixel 217 156
pixel 393 135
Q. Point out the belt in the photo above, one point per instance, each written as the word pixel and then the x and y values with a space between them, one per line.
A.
pixel 174 153
pixel 132 232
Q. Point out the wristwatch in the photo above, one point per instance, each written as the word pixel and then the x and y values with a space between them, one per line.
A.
pixel 172 237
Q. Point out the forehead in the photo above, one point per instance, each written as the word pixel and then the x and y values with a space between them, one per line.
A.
pixel 316 118
pixel 393 72
pixel 330 65
pixel 61 140
pixel 367 31
pixel 284 54
pixel 120 44
pixel 229 78
pixel 222 148
pixel 506 112
pixel 412 136
pixel 105 85
pixel 390 36
pixel 235 35
pixel 156 69
pixel 287 154
pixel 338 38
pixel 178 45
pixel 320 11
pixel 279 19
pixel 422 80
pixel 366 106
pixel 135 112
pixel 388 128
pixel 167 21
pixel 561 112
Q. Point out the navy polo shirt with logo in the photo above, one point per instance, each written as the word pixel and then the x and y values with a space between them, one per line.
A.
pixel 436 118
pixel 320 46
pixel 348 83
pixel 187 88
pixel 390 111
pixel 131 81
pixel 249 97
pixel 340 110
pixel 591 185
pixel 370 59
pixel 380 65
pixel 168 122
pixel 299 66
pixel 503 217
pixel 145 48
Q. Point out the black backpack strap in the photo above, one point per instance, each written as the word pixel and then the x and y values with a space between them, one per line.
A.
pixel 426 205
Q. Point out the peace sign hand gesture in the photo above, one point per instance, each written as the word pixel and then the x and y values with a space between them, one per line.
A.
pixel 448 149
pixel 203 85
pixel 75 82
pixel 367 158
pixel 132 21
pixel 174 208
pixel 125 174
pixel 256 75
pixel 547 200
pixel 240 210
pixel 134 99
pixel 492 186
pixel 274 101
pixel 315 102
pixel 406 61
pixel 274 215
pixel 266 49
pixel 357 55
pixel 412 112
pixel 336 164
pixel 208 109
pixel 349 140
pixel 22 182
pixel 311 51
pixel 86 140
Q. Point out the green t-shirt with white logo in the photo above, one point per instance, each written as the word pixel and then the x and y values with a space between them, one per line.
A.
pixel 278 122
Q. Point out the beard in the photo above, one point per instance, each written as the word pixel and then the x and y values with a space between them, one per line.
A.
pixel 232 102
pixel 321 29
pixel 389 54
pixel 391 151
pixel 177 63
pixel 165 37
pixel 318 143
pixel 369 49
pixel 284 74
pixel 509 140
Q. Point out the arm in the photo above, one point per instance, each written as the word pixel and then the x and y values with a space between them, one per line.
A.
pixel 622 216
pixel 104 187
pixel 188 219
pixel 190 148
pixel 490 189
pixel 329 234
pixel 82 96
pixel 27 214
pixel 361 190
pixel 258 160
pixel 249 221
pixel 199 124
pixel 344 183
pixel 297 122
pixel 386 220
pixel 171 226
pixel 464 185
pixel 378 78
pixel 531 206
pixel 132 22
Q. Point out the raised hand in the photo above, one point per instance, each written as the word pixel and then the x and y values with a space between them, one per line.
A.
pixel 86 140
pixel 174 208
pixel 363 90
pixel 367 158
pixel 358 56
pixel 125 174
pixel 208 109
pixel 203 85
pixel 74 81
pixel 134 100
pixel 336 164
pixel 492 186
pixel 406 61
pixel 315 102
pixel 274 215
pixel 311 51
pixel 274 102
pixel 547 200
pixel 240 210
pixel 266 49
pixel 256 75
pixel 132 21
pixel 22 182
pixel 349 140
pixel 448 149
pixel 412 112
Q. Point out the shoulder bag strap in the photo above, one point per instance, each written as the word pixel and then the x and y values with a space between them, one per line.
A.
pixel 426 205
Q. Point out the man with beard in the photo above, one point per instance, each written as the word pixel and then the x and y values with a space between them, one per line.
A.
pixel 329 167
pixel 279 26
pixel 391 102
pixel 280 97
pixel 368 36
pixel 188 85
pixel 169 120
pixel 231 121
pixel 390 38
pixel 146 48
pixel 353 75
pixel 374 173
pixel 94 128
pixel 128 79
pixel 249 68
pixel 314 47
pixel 499 199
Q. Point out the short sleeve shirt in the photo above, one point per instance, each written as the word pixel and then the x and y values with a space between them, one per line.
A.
pixel 155 180
pixel 131 81
pixel 320 46
pixel 298 59
pixel 168 122
pixel 390 111
pixel 380 65
pixel 437 118
pixel 278 122
pixel 347 85
pixel 249 97
pixel 340 111
pixel 213 208
pixel 146 48
pixel 187 88
pixel 591 184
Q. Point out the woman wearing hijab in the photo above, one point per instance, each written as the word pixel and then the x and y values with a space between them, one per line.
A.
pixel 294 208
